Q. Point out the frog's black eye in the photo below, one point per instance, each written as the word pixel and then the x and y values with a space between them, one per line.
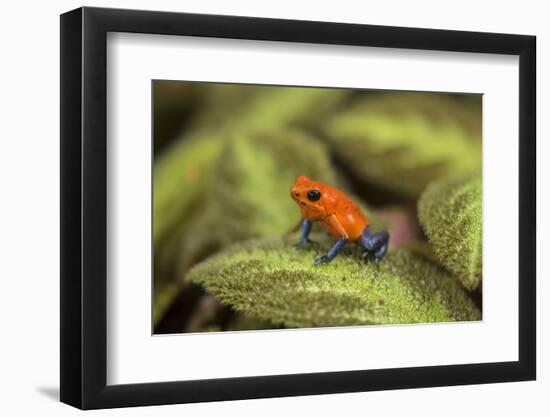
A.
pixel 313 195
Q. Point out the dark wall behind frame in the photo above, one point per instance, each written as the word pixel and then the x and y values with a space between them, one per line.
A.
pixel 83 207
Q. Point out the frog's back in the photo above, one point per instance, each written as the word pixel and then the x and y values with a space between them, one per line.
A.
pixel 348 214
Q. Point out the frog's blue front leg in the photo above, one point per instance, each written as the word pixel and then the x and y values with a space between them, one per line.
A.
pixel 304 238
pixel 332 252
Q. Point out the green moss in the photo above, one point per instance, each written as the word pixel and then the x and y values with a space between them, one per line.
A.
pixel 403 141
pixel 270 280
pixel 451 214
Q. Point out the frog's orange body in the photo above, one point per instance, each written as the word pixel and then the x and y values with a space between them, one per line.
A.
pixel 334 210
pixel 338 215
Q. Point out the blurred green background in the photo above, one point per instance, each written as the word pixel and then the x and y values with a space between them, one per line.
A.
pixel 225 158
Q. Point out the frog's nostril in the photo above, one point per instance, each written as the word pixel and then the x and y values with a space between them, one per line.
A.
pixel 297 194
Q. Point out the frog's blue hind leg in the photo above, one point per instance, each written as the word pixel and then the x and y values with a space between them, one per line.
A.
pixel 304 238
pixel 337 247
pixel 376 244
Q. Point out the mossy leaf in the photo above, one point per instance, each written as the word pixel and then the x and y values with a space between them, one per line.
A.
pixel 178 180
pixel 180 169
pixel 403 141
pixel 178 177
pixel 265 107
pixel 183 172
pixel 451 214
pixel 270 280
pixel 249 194
pixel 293 106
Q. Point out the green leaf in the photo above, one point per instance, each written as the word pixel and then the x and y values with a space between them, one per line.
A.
pixel 451 214
pixel 180 170
pixel 183 172
pixel 265 107
pixel 270 280
pixel 178 177
pixel 249 194
pixel 403 141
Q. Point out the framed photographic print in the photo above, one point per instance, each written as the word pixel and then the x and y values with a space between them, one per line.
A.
pixel 258 207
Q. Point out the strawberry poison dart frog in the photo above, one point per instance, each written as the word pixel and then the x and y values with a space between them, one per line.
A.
pixel 339 216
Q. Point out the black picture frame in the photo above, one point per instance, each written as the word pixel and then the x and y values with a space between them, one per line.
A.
pixel 84 207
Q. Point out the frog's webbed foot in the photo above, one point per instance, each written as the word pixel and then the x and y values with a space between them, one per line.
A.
pixel 376 244
pixel 337 247
pixel 322 260
pixel 372 256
